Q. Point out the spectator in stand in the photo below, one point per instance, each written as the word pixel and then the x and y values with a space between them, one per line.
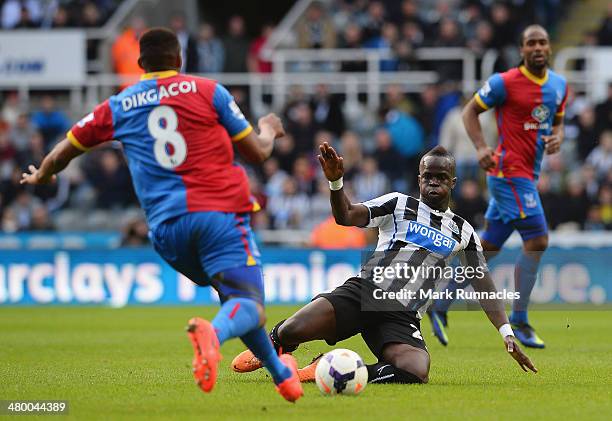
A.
pixel 591 183
pixel 408 139
pixel 110 181
pixel 274 176
pixel 327 111
pixel 576 202
pixel 604 33
pixel 135 233
pixel 21 132
pixel 15 11
pixel 352 37
pixel 284 151
pixel 302 127
pixel 600 158
pixel 328 236
pixel 456 140
pixel 470 203
pixel 61 18
pixel 605 205
pixel 256 62
pixel 22 208
pixel 189 45
pixel 236 46
pixel 25 20
pixel 387 41
pixel 289 208
pixel 319 209
pixel 211 54
pixel 33 153
pixel 503 29
pixel 303 175
pixel 351 150
pixel 51 121
pixel 40 220
pixel 374 20
pixel 315 29
pixel 482 39
pixel 603 113
pixel 91 18
pixel 470 18
pixel 370 182
pixel 587 132
pixel 550 200
pixel 10 110
pixel 126 50
pixel 7 156
pixel 410 14
pixel 387 158
pixel 594 222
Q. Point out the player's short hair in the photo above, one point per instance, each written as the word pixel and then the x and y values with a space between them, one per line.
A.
pixel 528 28
pixel 441 152
pixel 159 48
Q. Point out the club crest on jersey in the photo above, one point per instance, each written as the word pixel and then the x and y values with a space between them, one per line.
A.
pixel 530 200
pixel 540 113
pixel 453 227
pixel 429 238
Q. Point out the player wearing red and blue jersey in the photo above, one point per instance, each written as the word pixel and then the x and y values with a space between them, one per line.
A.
pixel 178 133
pixel 529 103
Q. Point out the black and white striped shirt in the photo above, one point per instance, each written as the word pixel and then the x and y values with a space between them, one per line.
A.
pixel 413 234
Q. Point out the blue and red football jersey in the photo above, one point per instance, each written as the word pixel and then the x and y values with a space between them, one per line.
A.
pixel 525 108
pixel 177 132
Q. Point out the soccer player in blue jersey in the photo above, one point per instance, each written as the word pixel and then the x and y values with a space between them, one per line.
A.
pixel 178 132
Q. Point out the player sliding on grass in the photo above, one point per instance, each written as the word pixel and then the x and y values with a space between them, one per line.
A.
pixel 529 102
pixel 422 232
pixel 177 132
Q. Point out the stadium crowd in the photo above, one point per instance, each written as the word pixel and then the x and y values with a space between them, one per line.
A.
pixel 381 150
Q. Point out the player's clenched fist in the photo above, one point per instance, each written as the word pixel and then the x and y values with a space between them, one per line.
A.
pixel 330 162
pixel 271 120
pixel 485 158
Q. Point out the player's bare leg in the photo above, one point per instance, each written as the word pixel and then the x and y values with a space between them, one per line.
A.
pixel 525 274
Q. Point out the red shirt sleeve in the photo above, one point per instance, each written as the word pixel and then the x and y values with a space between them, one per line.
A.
pixel 93 129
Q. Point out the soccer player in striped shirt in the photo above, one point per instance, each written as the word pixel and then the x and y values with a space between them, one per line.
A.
pixel 423 233
pixel 529 103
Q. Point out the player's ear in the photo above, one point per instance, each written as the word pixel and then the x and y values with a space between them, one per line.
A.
pixel 140 63
pixel 453 182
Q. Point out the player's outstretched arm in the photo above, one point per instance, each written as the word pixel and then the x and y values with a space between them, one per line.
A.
pixel 474 131
pixel 59 157
pixel 496 313
pixel 256 148
pixel 345 213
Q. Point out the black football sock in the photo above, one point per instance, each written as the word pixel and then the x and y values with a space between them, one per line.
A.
pixel 386 373
pixel 278 345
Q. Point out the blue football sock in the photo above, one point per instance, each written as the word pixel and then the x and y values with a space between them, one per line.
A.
pixel 260 344
pixel 443 304
pixel 236 317
pixel 525 273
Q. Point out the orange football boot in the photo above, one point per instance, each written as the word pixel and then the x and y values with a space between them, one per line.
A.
pixel 245 362
pixel 206 352
pixel 291 388
pixel 307 374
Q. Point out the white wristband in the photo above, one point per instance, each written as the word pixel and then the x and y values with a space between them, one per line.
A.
pixel 506 330
pixel 336 185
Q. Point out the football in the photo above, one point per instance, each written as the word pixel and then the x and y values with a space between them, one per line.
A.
pixel 341 372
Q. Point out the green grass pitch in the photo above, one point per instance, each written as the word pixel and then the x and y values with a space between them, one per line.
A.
pixel 135 363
